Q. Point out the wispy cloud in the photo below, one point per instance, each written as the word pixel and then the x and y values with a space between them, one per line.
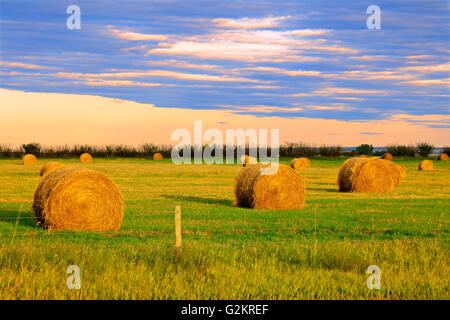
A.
pixel 261 108
pixel 426 119
pixel 134 36
pixel 371 133
pixel 292 73
pixel 157 73
pixel 329 107
pixel 371 58
pixel 249 23
pixel 335 91
pixel 253 45
pixel 423 56
pixel 187 65
pixel 22 65
pixel 430 82
pixel 121 83
pixel 444 67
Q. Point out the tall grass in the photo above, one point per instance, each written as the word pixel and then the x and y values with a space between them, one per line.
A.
pixel 319 252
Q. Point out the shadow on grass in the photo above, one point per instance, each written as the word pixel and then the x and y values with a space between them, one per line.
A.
pixel 323 189
pixel 26 218
pixel 224 202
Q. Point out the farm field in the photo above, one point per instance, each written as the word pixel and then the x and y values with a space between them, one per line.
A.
pixel 319 252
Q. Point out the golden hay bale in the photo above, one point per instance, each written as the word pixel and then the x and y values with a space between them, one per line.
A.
pixel 78 199
pixel 394 171
pixel 443 157
pixel 157 156
pixel 426 165
pixel 402 170
pixel 300 163
pixel 49 166
pixel 387 156
pixel 29 159
pixel 364 156
pixel 85 157
pixel 284 190
pixel 367 175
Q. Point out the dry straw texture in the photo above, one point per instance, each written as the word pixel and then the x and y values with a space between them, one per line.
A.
pixel 394 171
pixel 426 165
pixel 78 199
pixel 402 170
pixel 300 163
pixel 29 159
pixel 443 157
pixel 284 190
pixel 157 156
pixel 387 156
pixel 368 175
pixel 49 166
pixel 85 157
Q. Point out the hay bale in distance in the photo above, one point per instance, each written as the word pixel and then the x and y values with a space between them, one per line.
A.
pixel 85 158
pixel 284 190
pixel 49 166
pixel 364 156
pixel 368 175
pixel 300 163
pixel 29 159
pixel 78 199
pixel 387 156
pixel 247 160
pixel 443 157
pixel 426 165
pixel 157 156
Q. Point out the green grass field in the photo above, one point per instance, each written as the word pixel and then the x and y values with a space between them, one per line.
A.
pixel 319 252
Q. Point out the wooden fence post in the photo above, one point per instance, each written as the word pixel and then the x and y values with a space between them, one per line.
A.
pixel 178 241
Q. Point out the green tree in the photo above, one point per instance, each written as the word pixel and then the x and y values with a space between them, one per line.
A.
pixel 424 149
pixel 366 149
pixel 32 148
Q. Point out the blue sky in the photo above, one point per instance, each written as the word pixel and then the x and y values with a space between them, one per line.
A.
pixel 313 59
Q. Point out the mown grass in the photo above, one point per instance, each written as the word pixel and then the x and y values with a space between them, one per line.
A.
pixel 318 252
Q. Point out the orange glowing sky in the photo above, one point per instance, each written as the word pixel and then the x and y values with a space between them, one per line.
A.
pixel 55 118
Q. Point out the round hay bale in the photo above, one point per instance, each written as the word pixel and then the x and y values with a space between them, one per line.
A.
pixel 49 166
pixel 300 163
pixel 29 159
pixel 443 157
pixel 284 190
pixel 78 199
pixel 85 157
pixel 387 156
pixel 157 156
pixel 364 156
pixel 402 170
pixel 426 165
pixel 393 170
pixel 368 175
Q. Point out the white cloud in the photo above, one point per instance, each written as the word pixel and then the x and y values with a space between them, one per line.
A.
pixel 134 36
pixel 249 23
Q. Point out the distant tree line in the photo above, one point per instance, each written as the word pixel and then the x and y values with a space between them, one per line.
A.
pixel 290 150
